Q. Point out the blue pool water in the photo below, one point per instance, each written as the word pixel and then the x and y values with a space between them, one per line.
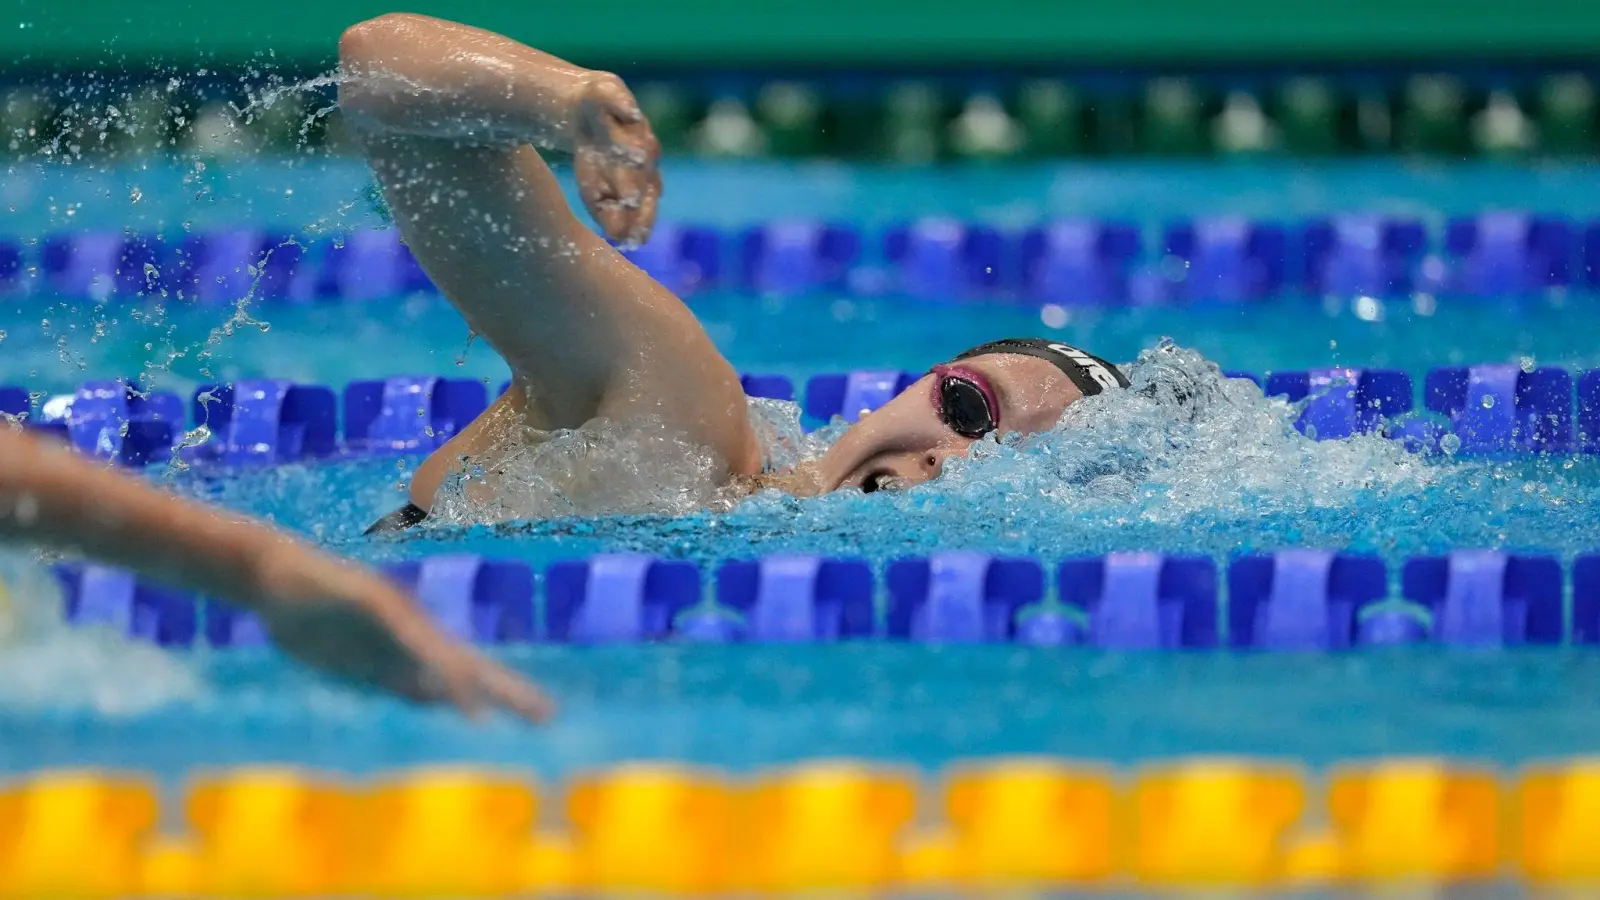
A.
pixel 1238 478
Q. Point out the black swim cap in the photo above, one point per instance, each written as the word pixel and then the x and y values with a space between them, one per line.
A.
pixel 1089 372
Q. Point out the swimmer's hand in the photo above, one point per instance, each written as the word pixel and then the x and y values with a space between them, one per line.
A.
pixel 355 625
pixel 322 610
pixel 616 158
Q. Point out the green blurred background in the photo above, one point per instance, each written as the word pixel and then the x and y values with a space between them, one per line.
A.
pixel 865 80
pixel 831 32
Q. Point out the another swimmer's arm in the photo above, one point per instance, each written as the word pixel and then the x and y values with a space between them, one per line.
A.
pixel 447 113
pixel 330 613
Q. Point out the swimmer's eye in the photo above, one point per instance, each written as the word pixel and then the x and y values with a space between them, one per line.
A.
pixel 963 407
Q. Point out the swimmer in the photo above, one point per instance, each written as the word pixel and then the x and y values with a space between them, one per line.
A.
pixel 449 117
pixel 324 611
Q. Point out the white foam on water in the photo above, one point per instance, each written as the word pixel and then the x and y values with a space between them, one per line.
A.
pixel 44 664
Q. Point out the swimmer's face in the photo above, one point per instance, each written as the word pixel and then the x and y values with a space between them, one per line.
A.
pixel 908 439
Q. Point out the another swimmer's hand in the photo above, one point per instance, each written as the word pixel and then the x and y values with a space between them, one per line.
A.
pixel 357 626
pixel 616 157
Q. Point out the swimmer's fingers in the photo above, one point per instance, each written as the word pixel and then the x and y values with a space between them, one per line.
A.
pixel 638 192
pixel 635 146
pixel 610 120
pixel 446 672
pixel 600 195
pixel 644 219
pixel 622 200
pixel 511 692
pixel 472 685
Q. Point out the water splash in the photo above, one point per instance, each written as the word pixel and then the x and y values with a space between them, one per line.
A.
pixel 46 665
pixel 1185 461
pixel 638 466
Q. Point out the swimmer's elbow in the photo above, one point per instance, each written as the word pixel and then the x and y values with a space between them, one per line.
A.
pixel 367 51
pixel 377 39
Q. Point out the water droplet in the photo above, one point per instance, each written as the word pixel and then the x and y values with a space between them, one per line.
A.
pixel 1488 401
pixel 1450 443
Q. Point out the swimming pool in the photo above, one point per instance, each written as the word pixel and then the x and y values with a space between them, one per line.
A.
pixel 70 697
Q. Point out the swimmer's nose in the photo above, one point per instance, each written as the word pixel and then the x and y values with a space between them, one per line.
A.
pixel 932 462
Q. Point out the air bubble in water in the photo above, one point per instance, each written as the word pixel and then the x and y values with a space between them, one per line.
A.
pixel 1488 401
pixel 135 195
pixel 1527 364
pixel 1450 443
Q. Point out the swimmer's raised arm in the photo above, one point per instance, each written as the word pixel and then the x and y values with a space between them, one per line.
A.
pixel 447 114
pixel 327 612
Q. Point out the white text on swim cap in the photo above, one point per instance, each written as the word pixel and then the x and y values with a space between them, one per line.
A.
pixel 1101 375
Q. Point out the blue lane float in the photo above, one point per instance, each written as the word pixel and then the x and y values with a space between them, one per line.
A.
pixel 850 395
pixel 1079 262
pixel 1488 598
pixel 266 422
pixel 1589 412
pixel 959 597
pixel 945 259
pixel 684 258
pixel 228 626
pixel 1361 255
pixel 771 387
pixel 799 599
pixel 87 264
pixel 1343 402
pixel 1500 409
pixel 1491 410
pixel 101 595
pixel 1229 259
pixel 473 598
pixel 792 258
pixel 223 266
pixel 12 262
pixel 1303 599
pixel 1064 262
pixel 368 264
pixel 1143 601
pixel 1510 253
pixel 1586 599
pixel 1589 256
pixel 617 598
pixel 15 402
pixel 113 420
pixel 409 414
